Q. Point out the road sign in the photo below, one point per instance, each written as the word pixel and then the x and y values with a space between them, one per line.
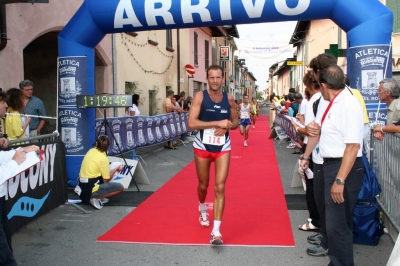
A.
pixel 190 69
pixel 294 63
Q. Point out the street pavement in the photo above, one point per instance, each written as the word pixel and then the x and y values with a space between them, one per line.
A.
pixel 67 236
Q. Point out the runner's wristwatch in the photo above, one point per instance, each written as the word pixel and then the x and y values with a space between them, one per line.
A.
pixel 339 181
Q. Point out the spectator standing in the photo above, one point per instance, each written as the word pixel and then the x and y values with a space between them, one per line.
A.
pixel 9 162
pixel 16 125
pixel 392 128
pixel 134 110
pixel 168 107
pixel 182 102
pixel 33 106
pixel 189 100
pixel 340 145
pixel 389 92
pixel 315 205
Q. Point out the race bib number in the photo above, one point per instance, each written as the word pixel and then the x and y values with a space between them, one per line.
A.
pixel 244 115
pixel 210 139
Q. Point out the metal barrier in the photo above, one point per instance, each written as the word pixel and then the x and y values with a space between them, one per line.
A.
pixel 286 125
pixel 47 137
pixel 385 161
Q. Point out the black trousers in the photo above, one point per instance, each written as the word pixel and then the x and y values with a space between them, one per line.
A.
pixel 339 217
pixel 319 197
pixel 6 254
pixel 310 199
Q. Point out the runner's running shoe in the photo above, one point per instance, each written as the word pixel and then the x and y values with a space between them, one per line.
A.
pixel 203 219
pixel 245 143
pixel 216 238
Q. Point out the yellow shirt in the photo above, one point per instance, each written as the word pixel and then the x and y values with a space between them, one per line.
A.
pixel 14 125
pixel 95 164
pixel 359 97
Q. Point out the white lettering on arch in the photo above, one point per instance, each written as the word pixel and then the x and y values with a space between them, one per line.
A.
pixel 131 19
pixel 225 9
pixel 282 7
pixel 187 10
pixel 254 10
pixel 152 12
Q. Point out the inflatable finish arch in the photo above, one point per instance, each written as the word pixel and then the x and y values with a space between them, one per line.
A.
pixel 368 25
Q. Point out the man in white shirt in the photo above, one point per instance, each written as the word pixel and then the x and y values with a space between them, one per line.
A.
pixel 9 161
pixel 343 169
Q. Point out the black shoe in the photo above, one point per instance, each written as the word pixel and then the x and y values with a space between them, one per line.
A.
pixel 317 251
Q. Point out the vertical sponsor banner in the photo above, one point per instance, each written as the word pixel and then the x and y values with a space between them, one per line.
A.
pixel 39 189
pixel 157 128
pixel 150 130
pixel 117 138
pixel 72 81
pixel 370 64
pixel 131 139
pixel 177 123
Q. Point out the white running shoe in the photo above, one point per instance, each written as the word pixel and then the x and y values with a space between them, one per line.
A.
pixel 216 238
pixel 254 126
pixel 203 218
pixel 96 203
pixel 245 143
pixel 104 200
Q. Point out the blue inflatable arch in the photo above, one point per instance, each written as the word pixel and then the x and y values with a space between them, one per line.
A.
pixel 368 24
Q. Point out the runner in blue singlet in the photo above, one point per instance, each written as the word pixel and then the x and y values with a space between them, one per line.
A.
pixel 213 113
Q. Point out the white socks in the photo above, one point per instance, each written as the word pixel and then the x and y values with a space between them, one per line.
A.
pixel 217 224
pixel 203 207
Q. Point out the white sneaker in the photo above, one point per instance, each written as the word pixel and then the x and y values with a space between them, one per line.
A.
pixel 254 126
pixel 104 200
pixel 78 190
pixel 245 143
pixel 203 218
pixel 96 203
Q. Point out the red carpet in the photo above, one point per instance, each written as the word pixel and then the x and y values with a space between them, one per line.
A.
pixel 255 209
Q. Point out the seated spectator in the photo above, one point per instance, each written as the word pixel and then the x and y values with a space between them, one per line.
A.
pixel 16 125
pixel 95 175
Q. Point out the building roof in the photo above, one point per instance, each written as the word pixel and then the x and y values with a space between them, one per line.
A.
pixel 299 32
pixel 224 31
pixel 284 66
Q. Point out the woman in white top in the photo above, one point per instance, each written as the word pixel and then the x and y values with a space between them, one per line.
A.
pixel 134 110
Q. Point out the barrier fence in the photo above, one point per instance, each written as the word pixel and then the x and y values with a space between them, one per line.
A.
pixel 286 125
pixel 385 162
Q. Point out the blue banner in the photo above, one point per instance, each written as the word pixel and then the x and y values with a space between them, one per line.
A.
pixel 72 79
pixel 73 122
pixel 141 131
pixel 370 65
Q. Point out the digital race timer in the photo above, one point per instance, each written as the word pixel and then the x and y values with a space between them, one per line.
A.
pixel 103 101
